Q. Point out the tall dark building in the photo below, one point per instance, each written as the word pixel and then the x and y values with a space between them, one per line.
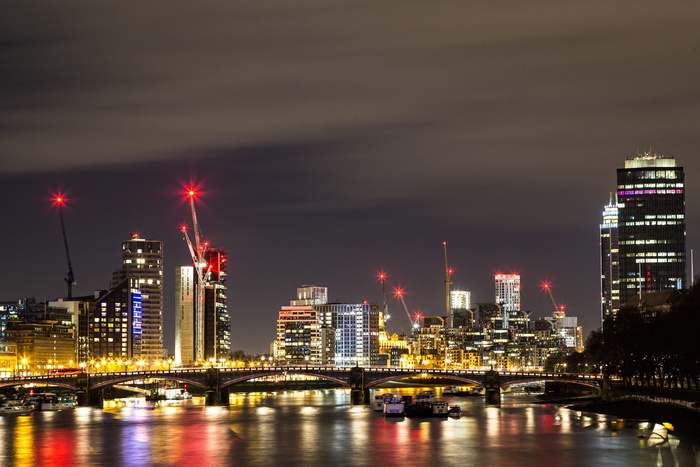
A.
pixel 650 230
pixel 217 326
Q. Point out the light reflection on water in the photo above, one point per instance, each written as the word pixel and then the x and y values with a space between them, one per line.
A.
pixel 322 428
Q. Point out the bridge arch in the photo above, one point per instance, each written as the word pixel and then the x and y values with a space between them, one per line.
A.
pixel 39 383
pixel 250 376
pixel 398 376
pixel 125 379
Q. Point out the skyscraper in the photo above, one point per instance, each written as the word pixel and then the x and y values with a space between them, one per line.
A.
pixel 610 259
pixel 217 326
pixel 185 294
pixel 508 291
pixel 116 330
pixel 650 229
pixel 209 337
pixel 143 260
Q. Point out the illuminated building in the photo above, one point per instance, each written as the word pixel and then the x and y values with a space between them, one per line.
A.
pixel 217 326
pixel 81 310
pixel 356 328
pixel 610 259
pixel 651 227
pixel 311 295
pixel 143 260
pixel 43 336
pixel 214 340
pixel 48 343
pixel 300 338
pixel 508 291
pixel 184 314
pixel 116 330
pixel 311 330
pixel 298 335
pixel 460 304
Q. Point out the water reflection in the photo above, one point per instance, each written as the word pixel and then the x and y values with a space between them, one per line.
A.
pixel 322 428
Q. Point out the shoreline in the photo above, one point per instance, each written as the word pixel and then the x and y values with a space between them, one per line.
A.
pixel 686 422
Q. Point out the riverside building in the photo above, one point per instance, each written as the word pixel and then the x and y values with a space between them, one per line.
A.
pixel 143 260
pixel 650 231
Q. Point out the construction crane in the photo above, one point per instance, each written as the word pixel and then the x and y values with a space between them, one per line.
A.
pixel 70 278
pixel 558 309
pixel 382 278
pixel 399 293
pixel 559 313
pixel 198 251
pixel 449 313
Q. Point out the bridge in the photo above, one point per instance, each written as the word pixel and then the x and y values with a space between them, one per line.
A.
pixel 217 382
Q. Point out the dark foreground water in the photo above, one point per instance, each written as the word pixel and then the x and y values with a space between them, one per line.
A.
pixel 321 428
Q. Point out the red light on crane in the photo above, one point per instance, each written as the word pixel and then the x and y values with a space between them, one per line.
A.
pixel 59 199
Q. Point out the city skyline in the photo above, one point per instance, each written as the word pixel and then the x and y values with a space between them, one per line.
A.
pixel 327 154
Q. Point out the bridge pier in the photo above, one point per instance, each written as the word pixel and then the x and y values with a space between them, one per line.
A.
pixel 93 398
pixel 492 395
pixel 213 396
pixel 359 395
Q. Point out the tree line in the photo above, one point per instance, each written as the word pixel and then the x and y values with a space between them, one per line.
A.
pixel 656 348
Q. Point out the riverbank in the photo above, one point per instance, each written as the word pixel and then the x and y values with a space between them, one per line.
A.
pixel 685 422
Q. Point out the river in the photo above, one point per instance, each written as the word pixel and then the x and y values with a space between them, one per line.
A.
pixel 322 428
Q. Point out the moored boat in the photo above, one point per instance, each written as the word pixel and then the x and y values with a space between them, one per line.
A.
pixel 48 401
pixel 450 391
pixel 440 409
pixel 379 400
pixel 394 407
pixel 15 407
pixel 425 397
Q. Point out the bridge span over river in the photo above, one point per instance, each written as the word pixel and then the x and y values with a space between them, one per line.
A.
pixel 217 382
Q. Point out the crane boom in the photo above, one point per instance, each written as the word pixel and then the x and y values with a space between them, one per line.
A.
pixel 558 310
pixel 198 251
pixel 70 278
pixel 449 313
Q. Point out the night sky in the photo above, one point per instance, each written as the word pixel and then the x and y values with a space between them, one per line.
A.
pixel 336 139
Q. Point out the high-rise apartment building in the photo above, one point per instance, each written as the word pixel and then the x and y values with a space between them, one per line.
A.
pixel 185 295
pixel 508 291
pixel 356 328
pixel 650 230
pixel 207 338
pixel 300 337
pixel 217 326
pixel 143 260
pixel 116 325
pixel 311 330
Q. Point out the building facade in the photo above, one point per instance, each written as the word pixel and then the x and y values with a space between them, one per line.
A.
pixel 356 332
pixel 143 260
pixel 185 295
pixel 116 328
pixel 508 291
pixel 298 335
pixel 650 230
pixel 610 259
pixel 202 322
